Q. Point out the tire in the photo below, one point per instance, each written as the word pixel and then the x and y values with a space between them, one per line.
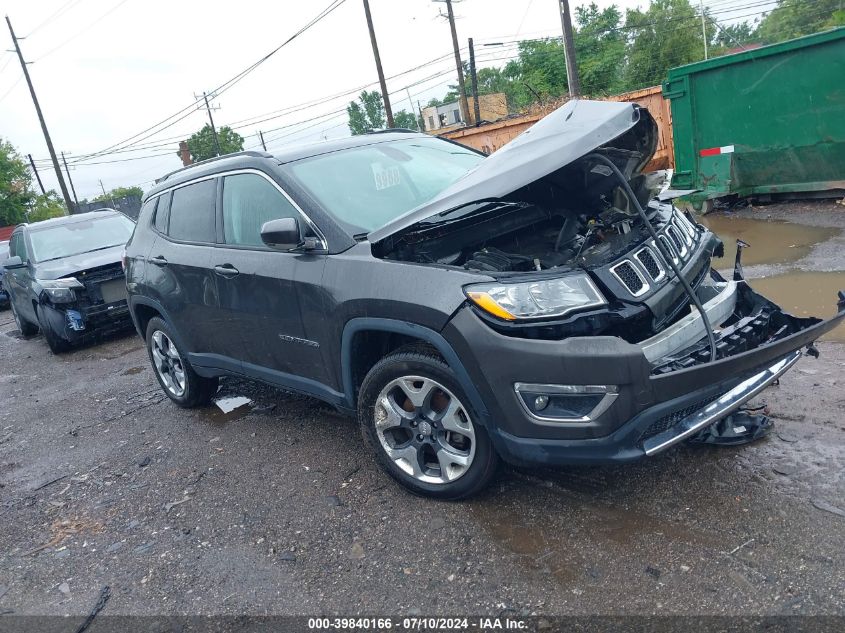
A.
pixel 55 342
pixel 432 445
pixel 174 373
pixel 26 328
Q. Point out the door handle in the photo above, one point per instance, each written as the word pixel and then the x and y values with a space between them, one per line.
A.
pixel 225 270
pixel 158 260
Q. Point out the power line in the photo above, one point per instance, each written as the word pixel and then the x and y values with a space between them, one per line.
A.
pixel 67 6
pixel 180 114
pixel 82 30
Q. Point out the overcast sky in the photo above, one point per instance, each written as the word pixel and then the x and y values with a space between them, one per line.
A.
pixel 106 70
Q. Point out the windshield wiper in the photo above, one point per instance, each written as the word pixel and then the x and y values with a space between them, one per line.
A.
pixel 491 204
pixel 52 259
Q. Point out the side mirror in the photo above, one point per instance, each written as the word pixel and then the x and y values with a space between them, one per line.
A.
pixel 282 234
pixel 13 263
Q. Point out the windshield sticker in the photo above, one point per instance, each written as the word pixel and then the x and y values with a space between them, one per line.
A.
pixel 385 178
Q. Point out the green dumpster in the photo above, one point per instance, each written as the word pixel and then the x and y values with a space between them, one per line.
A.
pixel 761 122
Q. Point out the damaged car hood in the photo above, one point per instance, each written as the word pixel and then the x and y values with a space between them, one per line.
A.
pixel 570 132
pixel 53 269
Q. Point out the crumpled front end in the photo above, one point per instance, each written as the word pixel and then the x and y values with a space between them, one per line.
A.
pixel 94 305
pixel 594 399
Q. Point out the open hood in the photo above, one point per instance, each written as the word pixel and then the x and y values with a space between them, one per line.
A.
pixel 573 130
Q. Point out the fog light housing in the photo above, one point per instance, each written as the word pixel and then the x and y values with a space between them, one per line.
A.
pixel 565 403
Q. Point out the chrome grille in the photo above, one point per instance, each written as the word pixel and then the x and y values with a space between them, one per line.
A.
pixel 630 277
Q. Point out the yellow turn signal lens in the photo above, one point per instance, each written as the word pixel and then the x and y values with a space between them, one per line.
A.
pixel 486 303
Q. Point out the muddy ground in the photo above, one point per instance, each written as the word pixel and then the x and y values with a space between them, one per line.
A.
pixel 277 508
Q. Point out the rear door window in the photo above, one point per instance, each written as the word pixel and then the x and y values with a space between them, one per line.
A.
pixel 192 212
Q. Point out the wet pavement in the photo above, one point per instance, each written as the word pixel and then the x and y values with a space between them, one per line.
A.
pixel 275 507
pixel 796 257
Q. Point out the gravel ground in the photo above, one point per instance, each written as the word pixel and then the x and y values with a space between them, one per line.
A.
pixel 276 508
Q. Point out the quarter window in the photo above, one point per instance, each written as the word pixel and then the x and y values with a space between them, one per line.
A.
pixel 163 209
pixel 192 212
pixel 250 200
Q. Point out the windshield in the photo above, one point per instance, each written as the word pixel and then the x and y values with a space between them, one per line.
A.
pixel 367 187
pixel 64 240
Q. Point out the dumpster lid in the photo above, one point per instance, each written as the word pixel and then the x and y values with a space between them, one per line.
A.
pixel 560 138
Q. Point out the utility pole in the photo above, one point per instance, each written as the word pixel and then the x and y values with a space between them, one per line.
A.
pixel 211 120
pixel 474 83
pixel 569 50
pixel 37 175
pixel 76 202
pixel 261 136
pixel 458 63
pixel 103 188
pixel 385 97
pixel 422 120
pixel 703 28
pixel 49 142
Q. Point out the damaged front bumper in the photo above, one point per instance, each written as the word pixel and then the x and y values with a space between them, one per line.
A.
pixel 656 393
pixel 76 323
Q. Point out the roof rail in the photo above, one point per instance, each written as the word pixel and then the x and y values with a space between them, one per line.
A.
pixel 403 130
pixel 253 153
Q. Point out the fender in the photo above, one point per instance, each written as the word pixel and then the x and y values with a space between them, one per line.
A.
pixel 136 300
pixel 353 326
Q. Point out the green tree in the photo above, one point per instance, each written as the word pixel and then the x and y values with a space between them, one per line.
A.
pixel 47 206
pixel 15 180
pixel 366 115
pixel 201 144
pixel 120 192
pixel 730 36
pixel 794 18
pixel 406 119
pixel 600 49
pixel 668 34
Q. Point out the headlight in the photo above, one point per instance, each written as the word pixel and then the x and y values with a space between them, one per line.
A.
pixel 536 299
pixel 60 290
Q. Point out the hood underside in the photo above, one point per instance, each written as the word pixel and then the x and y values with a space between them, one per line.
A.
pixel 572 131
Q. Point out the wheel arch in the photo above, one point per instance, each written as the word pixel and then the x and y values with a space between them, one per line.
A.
pixel 358 329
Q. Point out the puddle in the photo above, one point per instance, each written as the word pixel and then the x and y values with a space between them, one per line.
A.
pixel 805 294
pixel 772 241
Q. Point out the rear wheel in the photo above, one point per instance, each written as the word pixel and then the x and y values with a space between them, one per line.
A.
pixel 415 417
pixel 26 328
pixel 174 373
pixel 56 343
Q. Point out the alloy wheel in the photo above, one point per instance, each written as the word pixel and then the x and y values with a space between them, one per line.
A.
pixel 168 363
pixel 424 429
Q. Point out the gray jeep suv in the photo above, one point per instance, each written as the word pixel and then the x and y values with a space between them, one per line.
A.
pixel 539 305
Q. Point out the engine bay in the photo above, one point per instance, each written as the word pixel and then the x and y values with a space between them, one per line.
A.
pixel 581 218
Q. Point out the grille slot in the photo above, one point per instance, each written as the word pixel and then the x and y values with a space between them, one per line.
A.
pixel 671 419
pixel 669 247
pixel 630 277
pixel 682 230
pixel 677 240
pixel 651 264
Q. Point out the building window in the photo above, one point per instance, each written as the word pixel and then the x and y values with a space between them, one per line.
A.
pixel 431 123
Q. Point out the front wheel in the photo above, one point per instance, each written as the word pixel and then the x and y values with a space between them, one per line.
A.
pixel 414 415
pixel 26 328
pixel 173 371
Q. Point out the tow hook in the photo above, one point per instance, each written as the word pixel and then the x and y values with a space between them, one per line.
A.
pixel 738 274
pixel 812 350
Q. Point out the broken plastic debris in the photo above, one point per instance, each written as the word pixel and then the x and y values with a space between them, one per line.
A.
pixel 227 405
pixel 738 428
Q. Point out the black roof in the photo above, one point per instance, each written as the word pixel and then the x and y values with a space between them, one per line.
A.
pixel 281 156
